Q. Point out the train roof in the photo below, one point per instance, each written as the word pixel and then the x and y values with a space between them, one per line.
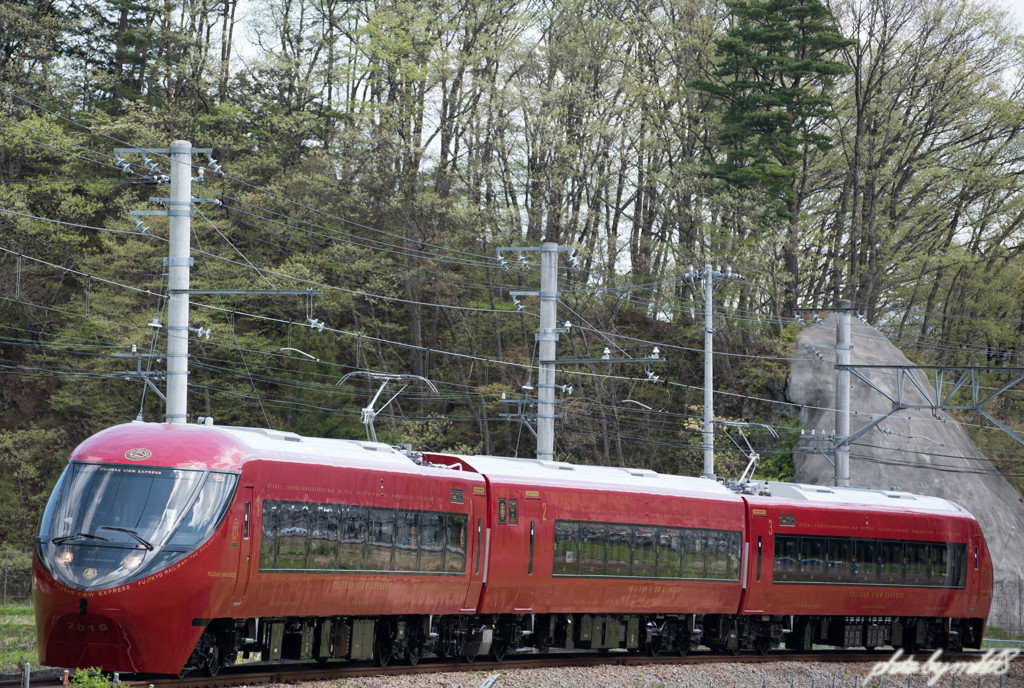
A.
pixel 559 473
pixel 859 497
pixel 229 447
pixel 226 447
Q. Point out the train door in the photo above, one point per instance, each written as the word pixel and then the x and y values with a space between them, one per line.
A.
pixel 974 561
pixel 527 519
pixel 243 537
pixel 478 543
pixel 758 554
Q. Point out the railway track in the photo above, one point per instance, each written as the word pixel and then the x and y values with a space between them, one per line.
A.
pixel 260 674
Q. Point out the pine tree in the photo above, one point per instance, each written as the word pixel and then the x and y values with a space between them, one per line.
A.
pixel 774 79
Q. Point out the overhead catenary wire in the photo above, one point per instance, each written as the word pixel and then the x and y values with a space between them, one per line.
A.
pixel 576 372
pixel 592 329
pixel 148 293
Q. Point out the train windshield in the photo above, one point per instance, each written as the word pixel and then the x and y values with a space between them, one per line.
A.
pixel 108 524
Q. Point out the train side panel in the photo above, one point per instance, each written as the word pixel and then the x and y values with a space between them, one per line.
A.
pixel 574 549
pixel 810 559
pixel 375 577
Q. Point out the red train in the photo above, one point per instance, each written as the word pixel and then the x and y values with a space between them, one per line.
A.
pixel 166 548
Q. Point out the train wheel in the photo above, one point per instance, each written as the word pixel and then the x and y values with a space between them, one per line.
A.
pixel 382 648
pixel 683 648
pixel 470 658
pixel 213 662
pixel 414 656
pixel 654 646
pixel 498 652
pixel 763 646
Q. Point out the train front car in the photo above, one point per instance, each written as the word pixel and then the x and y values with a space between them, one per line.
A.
pixel 129 543
pixel 867 568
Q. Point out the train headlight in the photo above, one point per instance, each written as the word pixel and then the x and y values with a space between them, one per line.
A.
pixel 66 557
pixel 133 561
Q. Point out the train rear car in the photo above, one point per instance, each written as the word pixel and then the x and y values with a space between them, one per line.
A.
pixel 867 568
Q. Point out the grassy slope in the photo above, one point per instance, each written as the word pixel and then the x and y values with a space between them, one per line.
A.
pixel 17 637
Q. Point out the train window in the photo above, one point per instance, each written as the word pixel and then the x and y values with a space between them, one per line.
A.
pixel 268 541
pixel 870 562
pixel 566 559
pixel 479 534
pixel 865 568
pixel 892 562
pixel 721 555
pixel 533 534
pixel 352 548
pixel 917 563
pixel 245 526
pixel 323 548
pixel 784 568
pixel 620 551
pixel 645 554
pixel 735 544
pixel 431 542
pixel 670 553
pixel 812 559
pixel 760 548
pixel 293 536
pixel 381 539
pixel 937 563
pixel 957 574
pixel 694 563
pixel 407 543
pixel 838 559
pixel 200 520
pixel 593 546
pixel 717 553
pixel 456 526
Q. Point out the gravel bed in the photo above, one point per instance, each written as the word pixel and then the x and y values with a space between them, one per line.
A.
pixel 767 675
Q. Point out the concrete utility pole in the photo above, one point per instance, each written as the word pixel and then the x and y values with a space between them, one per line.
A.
pixel 178 265
pixel 178 262
pixel 709 378
pixel 843 348
pixel 547 337
pixel 708 275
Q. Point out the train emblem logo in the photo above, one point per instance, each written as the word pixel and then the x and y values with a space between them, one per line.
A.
pixel 137 454
pixel 89 574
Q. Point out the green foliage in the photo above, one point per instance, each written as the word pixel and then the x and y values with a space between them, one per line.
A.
pixel 17 637
pixel 17 569
pixel 30 462
pixel 777 68
pixel 91 678
pixel 382 153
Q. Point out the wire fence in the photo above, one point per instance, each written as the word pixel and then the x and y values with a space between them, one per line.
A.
pixel 1008 606
pixel 17 577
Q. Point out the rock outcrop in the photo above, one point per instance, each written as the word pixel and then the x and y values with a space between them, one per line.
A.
pixel 912 449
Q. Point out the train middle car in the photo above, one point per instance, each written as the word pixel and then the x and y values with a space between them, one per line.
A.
pixel 598 557
pixel 166 548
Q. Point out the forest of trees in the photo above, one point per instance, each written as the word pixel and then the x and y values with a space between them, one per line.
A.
pixel 381 151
